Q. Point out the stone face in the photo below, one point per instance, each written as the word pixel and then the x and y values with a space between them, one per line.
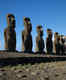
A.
pixel 26 36
pixel 49 42
pixel 10 34
pixel 39 39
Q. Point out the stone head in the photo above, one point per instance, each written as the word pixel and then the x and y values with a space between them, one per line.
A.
pixel 56 35
pixel 40 30
pixel 11 20
pixel 49 33
pixel 27 24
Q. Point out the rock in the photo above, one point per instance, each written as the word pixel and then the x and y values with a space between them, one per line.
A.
pixel 13 68
pixel 33 73
pixel 41 78
pixel 38 73
pixel 1 74
pixel 4 73
pixel 27 70
pixel 18 71
pixel 2 70
pixel 24 76
pixel 64 73
pixel 19 76
pixel 56 74
pixel 46 78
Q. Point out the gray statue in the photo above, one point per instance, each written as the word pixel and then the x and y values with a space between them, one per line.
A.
pixel 39 40
pixel 49 42
pixel 10 34
pixel 26 36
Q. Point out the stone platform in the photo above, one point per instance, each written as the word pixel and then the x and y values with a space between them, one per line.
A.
pixel 14 58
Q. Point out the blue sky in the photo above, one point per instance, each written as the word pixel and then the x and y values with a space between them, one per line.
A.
pixel 49 12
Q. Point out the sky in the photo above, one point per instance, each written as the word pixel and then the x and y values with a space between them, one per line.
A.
pixel 48 13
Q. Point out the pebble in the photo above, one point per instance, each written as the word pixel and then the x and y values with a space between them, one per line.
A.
pixel 1 74
pixel 33 73
pixel 19 76
pixel 56 74
pixel 46 78
pixel 18 71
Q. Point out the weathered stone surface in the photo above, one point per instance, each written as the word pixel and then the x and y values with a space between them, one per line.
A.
pixel 10 34
pixel 39 40
pixel 57 43
pixel 49 42
pixel 26 36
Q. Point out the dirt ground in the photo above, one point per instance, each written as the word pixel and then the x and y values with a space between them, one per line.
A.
pixel 42 71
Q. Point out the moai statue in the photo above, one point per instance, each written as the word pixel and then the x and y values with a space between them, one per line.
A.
pixel 57 43
pixel 49 42
pixel 62 45
pixel 39 40
pixel 26 36
pixel 10 34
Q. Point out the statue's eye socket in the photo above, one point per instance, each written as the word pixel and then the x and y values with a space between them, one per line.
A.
pixel 9 16
pixel 28 19
pixel 9 19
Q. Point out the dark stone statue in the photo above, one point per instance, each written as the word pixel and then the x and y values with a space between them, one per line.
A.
pixel 10 34
pixel 39 40
pixel 57 45
pixel 62 45
pixel 49 42
pixel 26 36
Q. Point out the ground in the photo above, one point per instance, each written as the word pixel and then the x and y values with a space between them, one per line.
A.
pixel 37 71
